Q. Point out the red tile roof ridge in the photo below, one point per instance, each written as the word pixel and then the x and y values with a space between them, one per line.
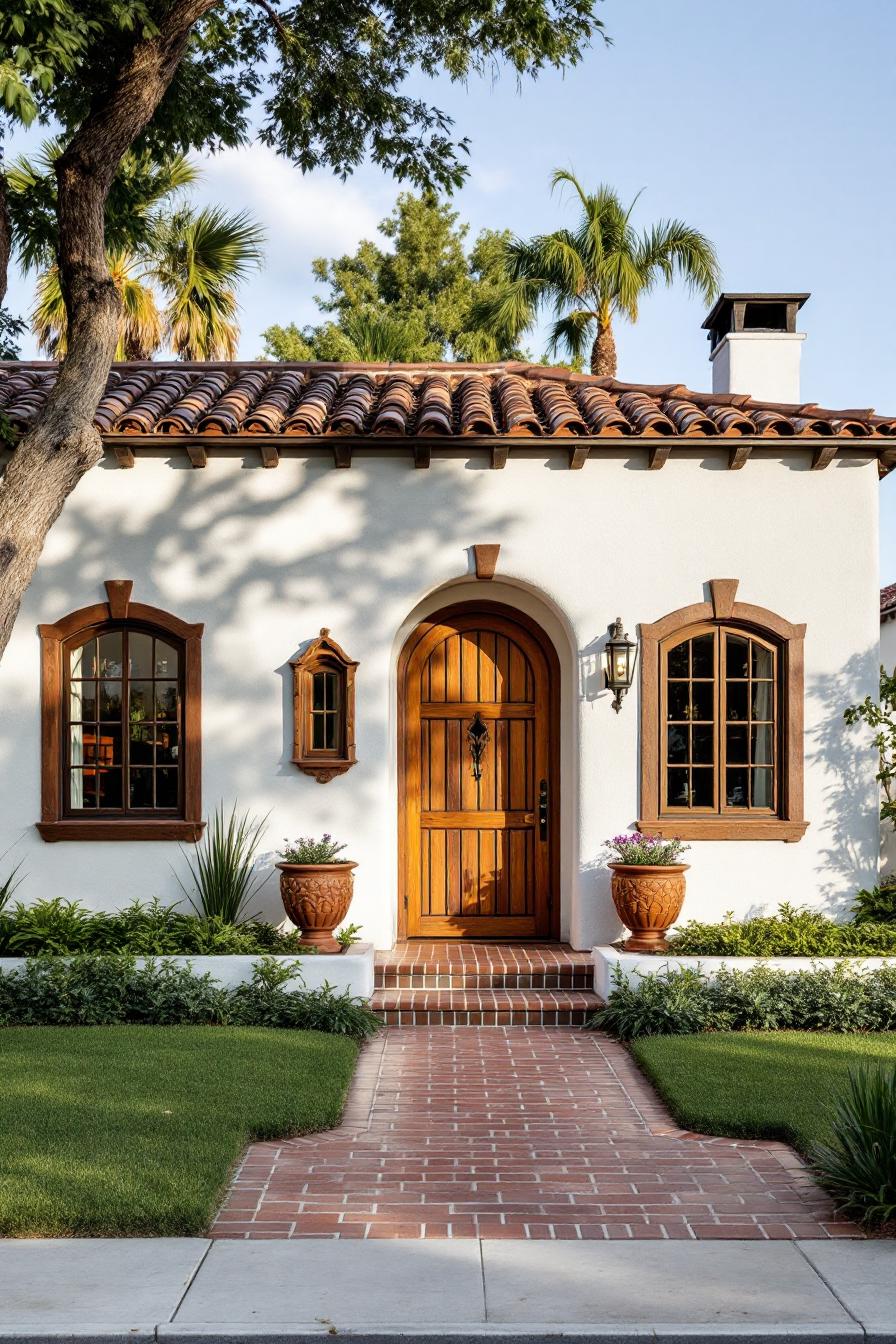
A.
pixel 888 600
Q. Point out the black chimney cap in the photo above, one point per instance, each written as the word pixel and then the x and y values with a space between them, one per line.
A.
pixel 752 312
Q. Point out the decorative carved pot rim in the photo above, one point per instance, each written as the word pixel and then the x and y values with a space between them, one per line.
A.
pixel 343 865
pixel 646 868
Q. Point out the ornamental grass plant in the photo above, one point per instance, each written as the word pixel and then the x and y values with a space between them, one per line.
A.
pixel 223 868
pixel 858 1165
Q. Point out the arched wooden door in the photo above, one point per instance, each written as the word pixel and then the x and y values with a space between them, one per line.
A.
pixel 478 791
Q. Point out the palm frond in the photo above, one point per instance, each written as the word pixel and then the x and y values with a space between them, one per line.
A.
pixel 672 248
pixel 573 333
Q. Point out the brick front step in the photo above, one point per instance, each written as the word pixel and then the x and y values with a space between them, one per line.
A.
pixel 484 966
pixel 485 1007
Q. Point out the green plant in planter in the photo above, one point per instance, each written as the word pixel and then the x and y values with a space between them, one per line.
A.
pixel 348 936
pixel 308 850
pixel 859 1166
pixel 223 870
pixel 645 850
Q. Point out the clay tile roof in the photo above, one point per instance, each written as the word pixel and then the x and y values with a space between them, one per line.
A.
pixel 416 402
pixel 888 602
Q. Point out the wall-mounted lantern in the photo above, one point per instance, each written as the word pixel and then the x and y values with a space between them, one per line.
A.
pixel 619 662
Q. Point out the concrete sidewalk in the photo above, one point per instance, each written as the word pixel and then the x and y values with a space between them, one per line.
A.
pixel 183 1289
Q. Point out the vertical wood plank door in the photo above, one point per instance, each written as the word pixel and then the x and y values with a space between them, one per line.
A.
pixel 478 781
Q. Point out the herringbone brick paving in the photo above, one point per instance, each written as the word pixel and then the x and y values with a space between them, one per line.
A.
pixel 520 1132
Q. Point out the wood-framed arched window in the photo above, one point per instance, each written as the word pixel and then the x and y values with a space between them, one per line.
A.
pixel 722 722
pixel 120 706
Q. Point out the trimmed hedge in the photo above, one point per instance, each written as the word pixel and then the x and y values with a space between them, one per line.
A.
pixel 101 991
pixel 682 1001
pixel 61 928
pixel 790 933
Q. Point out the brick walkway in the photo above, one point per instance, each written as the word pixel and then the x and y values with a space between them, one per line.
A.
pixel 524 1132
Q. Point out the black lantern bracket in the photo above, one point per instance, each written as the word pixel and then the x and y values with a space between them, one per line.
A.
pixel 621 656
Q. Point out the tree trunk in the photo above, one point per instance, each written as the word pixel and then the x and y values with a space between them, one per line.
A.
pixel 63 444
pixel 603 351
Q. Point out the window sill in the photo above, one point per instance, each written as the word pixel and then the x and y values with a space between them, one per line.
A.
pixel 723 828
pixel 172 829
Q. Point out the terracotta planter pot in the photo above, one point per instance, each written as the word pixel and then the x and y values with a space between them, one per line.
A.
pixel 316 896
pixel 648 900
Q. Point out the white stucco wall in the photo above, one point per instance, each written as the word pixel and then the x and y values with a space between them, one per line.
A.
pixel 266 557
pixel 888 644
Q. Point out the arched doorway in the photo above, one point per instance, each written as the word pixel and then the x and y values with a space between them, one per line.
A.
pixel 478 744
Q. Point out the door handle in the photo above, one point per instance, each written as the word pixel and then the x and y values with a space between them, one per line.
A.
pixel 543 810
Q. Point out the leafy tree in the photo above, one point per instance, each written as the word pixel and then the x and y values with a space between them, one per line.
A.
pixel 195 257
pixel 170 75
pixel 593 272
pixel 880 717
pixel 413 300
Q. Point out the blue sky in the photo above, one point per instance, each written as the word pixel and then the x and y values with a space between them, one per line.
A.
pixel 767 124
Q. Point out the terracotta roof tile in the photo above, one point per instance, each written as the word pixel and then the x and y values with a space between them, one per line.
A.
pixel 888 600
pixel 438 401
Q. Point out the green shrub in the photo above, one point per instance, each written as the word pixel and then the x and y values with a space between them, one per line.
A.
pixel 59 927
pixel 791 932
pixel 683 1001
pixel 877 906
pixel 859 1166
pixel 96 990
pixel 223 867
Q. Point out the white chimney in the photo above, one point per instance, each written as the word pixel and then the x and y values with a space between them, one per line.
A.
pixel 755 347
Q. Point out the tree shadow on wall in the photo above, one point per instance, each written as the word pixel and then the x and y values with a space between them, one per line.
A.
pixel 842 757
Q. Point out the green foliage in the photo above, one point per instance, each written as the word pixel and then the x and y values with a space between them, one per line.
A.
pixel 223 868
pixel 682 1001
pixel 12 329
pixel 792 932
pixel 877 906
pixel 105 990
pixel 858 1166
pixel 880 717
pixel 331 80
pixel 176 268
pixel 57 927
pixel 648 850
pixel 348 936
pixel 308 850
pixel 600 268
pixel 412 300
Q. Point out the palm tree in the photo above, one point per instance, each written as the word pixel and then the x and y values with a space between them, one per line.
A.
pixel 176 269
pixel 142 330
pixel 594 272
pixel 198 258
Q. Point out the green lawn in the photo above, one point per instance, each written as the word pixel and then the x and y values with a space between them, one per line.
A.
pixel 776 1085
pixel 133 1131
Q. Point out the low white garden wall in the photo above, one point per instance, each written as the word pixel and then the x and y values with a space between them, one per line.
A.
pixel 635 964
pixel 351 970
